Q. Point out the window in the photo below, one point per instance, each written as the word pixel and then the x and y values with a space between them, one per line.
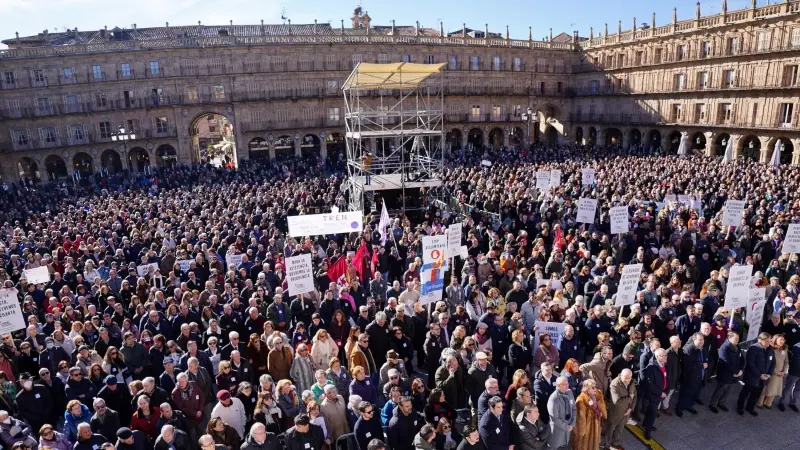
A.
pixel 20 137
pixel 333 85
pixel 733 46
pixel 430 59
pixel 308 114
pixel 610 61
pixel 383 58
pixel 9 78
pixel 541 64
pixel 330 61
pixel 699 112
pixel 71 103
pixel 657 56
pixel 132 125
pixel 48 135
pixel 790 75
pixel 105 130
pixel 43 106
pixel 161 125
pixel 100 100
pixel 158 96
pixel 676 113
pixel 216 63
pixel 282 115
pixel 219 92
pixel 762 41
pixel 754 114
pixel 517 64
pixel 476 111
pixel 452 63
pixel 702 80
pixel 255 116
pixel 154 68
pixel 97 72
pixel 516 110
pixel 725 112
pixel 333 113
pixel 639 58
pixel 356 59
pixel 560 65
pixel 786 111
pixel 794 39
pixel 497 110
pixel 68 73
pixel 475 63
pixel 682 52
pixel 496 63
pixel 729 78
pixel 406 58
pixel 594 86
pixel 542 88
pixel 38 76
pixel 125 69
pixel 13 107
pixel 705 49
pixel 192 94
pixel 559 86
pixel 280 86
pixel 77 133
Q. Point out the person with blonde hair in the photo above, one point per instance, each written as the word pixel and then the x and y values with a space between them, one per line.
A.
pixel 322 349
pixel 591 408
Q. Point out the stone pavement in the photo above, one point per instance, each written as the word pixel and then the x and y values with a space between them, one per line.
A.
pixel 771 430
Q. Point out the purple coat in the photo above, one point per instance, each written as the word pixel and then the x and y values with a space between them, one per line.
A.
pixel 59 442
pixel 364 389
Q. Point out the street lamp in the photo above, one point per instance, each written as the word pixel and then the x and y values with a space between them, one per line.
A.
pixel 123 135
pixel 527 117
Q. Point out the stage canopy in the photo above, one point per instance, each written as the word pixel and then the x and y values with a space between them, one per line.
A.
pixel 390 76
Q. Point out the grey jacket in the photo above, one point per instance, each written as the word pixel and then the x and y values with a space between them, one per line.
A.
pixel 559 424
pixel 531 436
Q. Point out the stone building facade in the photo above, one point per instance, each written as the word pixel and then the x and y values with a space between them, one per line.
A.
pixel 64 96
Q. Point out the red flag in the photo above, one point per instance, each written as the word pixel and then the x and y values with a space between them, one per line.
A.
pixel 338 270
pixel 358 260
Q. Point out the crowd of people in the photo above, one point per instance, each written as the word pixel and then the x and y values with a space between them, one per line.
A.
pixel 197 353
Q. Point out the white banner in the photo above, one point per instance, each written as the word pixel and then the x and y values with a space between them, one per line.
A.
pixel 543 180
pixel 463 251
pixel 738 288
pixel 554 329
pixel 185 264
pixel 144 269
pixel 734 213
pixel 556 284
pixel 300 274
pixel 628 284
pixel 792 242
pixel 434 248
pixel 11 318
pixel 620 222
pixel 486 163
pixel 233 260
pixel 555 178
pixel 454 232
pixel 39 275
pixel 755 315
pixel 587 209
pixel 588 176
pixel 320 224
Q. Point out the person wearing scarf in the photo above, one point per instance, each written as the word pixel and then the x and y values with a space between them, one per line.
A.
pixel 268 412
pixel 302 371
pixel 591 408
pixel 482 338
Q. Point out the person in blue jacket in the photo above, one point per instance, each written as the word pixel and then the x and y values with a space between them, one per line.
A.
pixel 729 367
pixel 494 426
pixel 758 369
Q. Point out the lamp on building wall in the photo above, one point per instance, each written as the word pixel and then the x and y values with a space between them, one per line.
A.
pixel 527 117
pixel 123 135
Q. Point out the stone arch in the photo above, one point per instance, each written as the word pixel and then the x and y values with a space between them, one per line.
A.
pixel 720 143
pixel 749 148
pixel 475 137
pixel 213 138
pixel 258 148
pixel 166 156
pixel 310 145
pixel 579 135
pixel 634 137
pixel 56 168
pixel 551 135
pixel 698 142
pixel 28 169
pixel 548 111
pixel 453 139
pixel 516 136
pixel 653 139
pixel 496 137
pixel 673 142
pixel 83 163
pixel 613 137
pixel 284 146
pixel 110 161
pixel 786 153
pixel 592 136
pixel 336 145
pixel 138 159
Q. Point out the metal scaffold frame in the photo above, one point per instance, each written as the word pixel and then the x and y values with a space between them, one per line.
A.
pixel 400 106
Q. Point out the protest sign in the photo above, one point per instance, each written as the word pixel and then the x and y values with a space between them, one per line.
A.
pixel 11 318
pixel 454 232
pixel 738 288
pixel 755 315
pixel 39 275
pixel 734 212
pixel 300 274
pixel 628 284
pixel 233 260
pixel 543 179
pixel 434 248
pixel 554 329
pixel 792 242
pixel 555 178
pixel 556 284
pixel 588 176
pixel 185 264
pixel 144 269
pixel 620 223
pixel 321 224
pixel 587 209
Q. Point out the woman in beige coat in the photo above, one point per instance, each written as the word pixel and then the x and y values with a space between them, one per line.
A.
pixel 774 386
pixel 323 349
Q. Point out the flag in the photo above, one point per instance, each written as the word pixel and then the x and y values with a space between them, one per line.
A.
pixel 384 223
pixel 338 272
pixel 358 260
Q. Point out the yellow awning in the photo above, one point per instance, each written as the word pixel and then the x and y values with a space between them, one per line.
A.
pixel 390 76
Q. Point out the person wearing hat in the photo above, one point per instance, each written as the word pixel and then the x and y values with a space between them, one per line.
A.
pixel 117 398
pixel 392 362
pixel 304 434
pixel 231 411
pixel 166 380
pixel 128 439
pixel 34 402
pixel 710 303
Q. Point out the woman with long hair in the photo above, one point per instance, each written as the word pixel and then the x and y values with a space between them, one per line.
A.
pixel 419 395
pixel 257 353
pixel 591 407
pixel 437 408
pixel 268 413
pixel 97 376
pixel 447 437
pixel 520 379
pixel 223 434
pixel 323 348
pixel 145 419
pixel 339 331
pixel 302 370
pixel 545 352
pixel 288 400
pixel 572 372
pixel 114 364
pixel 775 383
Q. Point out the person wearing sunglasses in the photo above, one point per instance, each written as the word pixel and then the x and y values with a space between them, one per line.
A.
pixel 368 426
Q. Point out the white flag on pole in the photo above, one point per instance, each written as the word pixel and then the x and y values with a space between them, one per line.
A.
pixel 384 223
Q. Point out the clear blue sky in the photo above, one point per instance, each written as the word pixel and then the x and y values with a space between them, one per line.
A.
pixel 32 16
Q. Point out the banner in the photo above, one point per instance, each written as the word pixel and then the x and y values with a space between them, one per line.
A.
pixel 144 269
pixel 486 163
pixel 556 284
pixel 233 260
pixel 300 274
pixel 734 213
pixel 620 223
pixel 454 232
pixel 587 176
pixel 185 264
pixel 755 315
pixel 628 284
pixel 434 248
pixel 792 242
pixel 432 278
pixel 738 290
pixel 11 318
pixel 321 224
pixel 39 275
pixel 542 180
pixel 555 178
pixel 554 329
pixel 587 210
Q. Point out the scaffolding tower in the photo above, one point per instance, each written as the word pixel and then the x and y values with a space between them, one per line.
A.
pixel 394 126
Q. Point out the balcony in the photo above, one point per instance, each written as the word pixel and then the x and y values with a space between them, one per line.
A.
pixel 613 118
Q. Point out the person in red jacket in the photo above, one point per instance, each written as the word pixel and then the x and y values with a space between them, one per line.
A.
pixel 190 400
pixel 145 419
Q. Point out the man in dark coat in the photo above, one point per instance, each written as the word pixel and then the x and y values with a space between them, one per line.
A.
pixel 132 440
pixel 759 365
pixel 532 433
pixel 450 379
pixel 404 425
pixel 544 385
pixel 378 332
pixel 88 440
pixel 655 382
pixel 56 389
pixel 104 421
pixel 687 325
pixel 172 438
pixel 368 426
pixel 303 435
pixel 117 398
pixel 494 426
pixel 34 403
pixel 729 367
pixel 79 388
pixel 693 367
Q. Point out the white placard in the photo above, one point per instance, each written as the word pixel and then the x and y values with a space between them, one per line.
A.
pixel 144 269
pixel 463 252
pixel 755 315
pixel 554 329
pixel 543 179
pixel 486 163
pixel 39 275
pixel 556 284
pixel 792 242
pixel 434 248
pixel 587 209
pixel 321 224
pixel 737 291
pixel 620 222
pixel 734 213
pixel 454 239
pixel 588 176
pixel 555 178
pixel 300 274
pixel 185 264
pixel 233 260
pixel 628 285
pixel 11 318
